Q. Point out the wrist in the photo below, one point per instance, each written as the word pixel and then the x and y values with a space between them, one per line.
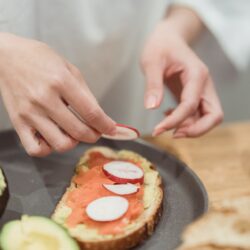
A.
pixel 184 22
pixel 6 42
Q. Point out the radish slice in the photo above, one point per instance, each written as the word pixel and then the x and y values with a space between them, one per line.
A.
pixel 123 172
pixel 123 132
pixel 107 208
pixel 121 189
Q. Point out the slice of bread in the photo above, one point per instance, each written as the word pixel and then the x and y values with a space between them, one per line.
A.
pixel 136 231
pixel 225 227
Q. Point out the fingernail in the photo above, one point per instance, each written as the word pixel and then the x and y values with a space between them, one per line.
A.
pixel 113 131
pixel 151 102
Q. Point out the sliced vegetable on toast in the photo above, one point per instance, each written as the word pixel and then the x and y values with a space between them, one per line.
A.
pixel 123 132
pixel 35 232
pixel 122 189
pixel 4 192
pixel 123 172
pixel 89 185
pixel 107 208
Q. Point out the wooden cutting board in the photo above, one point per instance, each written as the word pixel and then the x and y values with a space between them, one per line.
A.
pixel 221 159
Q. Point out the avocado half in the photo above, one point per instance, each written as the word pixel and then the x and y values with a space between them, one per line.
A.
pixel 35 232
pixel 4 192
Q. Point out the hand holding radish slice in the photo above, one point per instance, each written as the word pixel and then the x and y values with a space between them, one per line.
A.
pixel 107 208
pixel 123 172
pixel 122 189
pixel 123 132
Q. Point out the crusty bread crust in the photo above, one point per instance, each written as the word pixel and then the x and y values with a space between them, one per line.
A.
pixel 145 223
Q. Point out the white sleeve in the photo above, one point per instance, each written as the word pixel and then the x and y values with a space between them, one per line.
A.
pixel 229 22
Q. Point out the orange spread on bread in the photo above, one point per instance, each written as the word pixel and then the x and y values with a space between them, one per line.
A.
pixel 89 188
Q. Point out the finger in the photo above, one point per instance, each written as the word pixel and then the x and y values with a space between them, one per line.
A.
pixel 78 75
pixel 181 113
pixel 200 127
pixel 180 131
pixel 153 71
pixel 84 103
pixel 66 120
pixel 190 98
pixel 168 111
pixel 34 146
pixel 55 137
pixel 203 125
pixel 211 114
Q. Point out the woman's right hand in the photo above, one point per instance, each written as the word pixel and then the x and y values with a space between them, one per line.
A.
pixel 38 86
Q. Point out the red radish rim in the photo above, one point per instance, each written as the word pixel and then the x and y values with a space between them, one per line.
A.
pixel 118 167
pixel 108 184
pixel 120 180
pixel 129 127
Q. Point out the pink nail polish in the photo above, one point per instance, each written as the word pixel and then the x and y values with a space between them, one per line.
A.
pixel 151 102
pixel 113 132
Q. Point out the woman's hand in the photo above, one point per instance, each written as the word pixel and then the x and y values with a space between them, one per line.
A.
pixel 168 60
pixel 38 86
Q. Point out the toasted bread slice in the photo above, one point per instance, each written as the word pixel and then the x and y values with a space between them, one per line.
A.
pixel 225 227
pixel 136 231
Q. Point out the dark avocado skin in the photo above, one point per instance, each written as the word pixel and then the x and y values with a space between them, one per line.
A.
pixel 5 196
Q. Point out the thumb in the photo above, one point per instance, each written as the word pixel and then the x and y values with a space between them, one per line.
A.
pixel 153 72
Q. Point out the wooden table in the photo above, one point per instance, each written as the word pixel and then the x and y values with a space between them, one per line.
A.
pixel 221 159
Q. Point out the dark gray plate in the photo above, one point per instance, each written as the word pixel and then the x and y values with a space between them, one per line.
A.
pixel 36 185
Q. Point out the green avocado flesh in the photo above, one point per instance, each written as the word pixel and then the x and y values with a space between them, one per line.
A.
pixel 35 233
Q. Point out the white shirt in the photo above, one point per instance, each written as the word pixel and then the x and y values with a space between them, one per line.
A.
pixel 104 39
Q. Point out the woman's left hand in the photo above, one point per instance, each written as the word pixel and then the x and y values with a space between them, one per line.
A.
pixel 168 60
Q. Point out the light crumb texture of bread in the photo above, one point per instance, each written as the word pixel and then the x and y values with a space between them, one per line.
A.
pixel 137 230
pixel 225 227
